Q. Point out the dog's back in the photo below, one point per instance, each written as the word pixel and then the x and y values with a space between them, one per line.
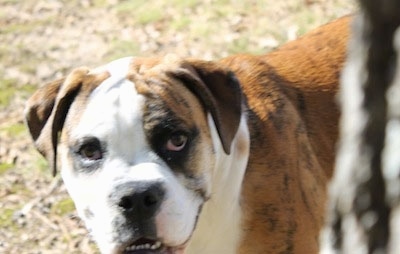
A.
pixel 293 119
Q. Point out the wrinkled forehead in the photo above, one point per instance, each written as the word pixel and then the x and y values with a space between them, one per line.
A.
pixel 135 94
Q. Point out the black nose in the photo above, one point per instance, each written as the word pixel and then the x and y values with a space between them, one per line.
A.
pixel 139 201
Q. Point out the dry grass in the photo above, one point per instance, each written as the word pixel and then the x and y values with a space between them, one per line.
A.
pixel 41 40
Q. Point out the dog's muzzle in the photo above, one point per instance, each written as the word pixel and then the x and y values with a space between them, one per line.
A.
pixel 137 204
pixel 138 201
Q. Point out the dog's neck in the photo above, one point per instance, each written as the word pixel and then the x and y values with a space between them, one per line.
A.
pixel 219 226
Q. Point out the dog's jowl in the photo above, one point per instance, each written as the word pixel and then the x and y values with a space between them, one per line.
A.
pixel 171 155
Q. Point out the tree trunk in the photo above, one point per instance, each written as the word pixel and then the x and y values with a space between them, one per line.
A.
pixel 365 190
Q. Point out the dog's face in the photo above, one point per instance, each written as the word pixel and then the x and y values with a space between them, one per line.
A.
pixel 137 146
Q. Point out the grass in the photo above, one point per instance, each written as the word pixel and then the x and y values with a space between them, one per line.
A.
pixel 144 12
pixel 19 28
pixel 239 45
pixel 182 4
pixel 8 1
pixel 4 167
pixel 41 165
pixel 6 218
pixel 198 28
pixel 180 24
pixel 150 16
pixel 63 207
pixel 122 48
pixel 9 89
pixel 15 129
pixel 99 3
pixel 20 189
pixel 141 12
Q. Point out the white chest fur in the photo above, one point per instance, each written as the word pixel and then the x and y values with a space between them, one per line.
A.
pixel 219 225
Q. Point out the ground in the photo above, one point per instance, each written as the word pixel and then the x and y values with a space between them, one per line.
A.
pixel 41 40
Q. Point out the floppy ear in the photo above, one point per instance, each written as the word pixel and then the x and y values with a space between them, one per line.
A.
pixel 47 109
pixel 219 92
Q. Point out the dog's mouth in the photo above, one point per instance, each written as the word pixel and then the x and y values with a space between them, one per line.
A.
pixel 149 246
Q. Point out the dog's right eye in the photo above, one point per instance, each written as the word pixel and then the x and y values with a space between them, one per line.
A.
pixel 176 142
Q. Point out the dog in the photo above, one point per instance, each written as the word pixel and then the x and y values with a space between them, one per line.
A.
pixel 172 155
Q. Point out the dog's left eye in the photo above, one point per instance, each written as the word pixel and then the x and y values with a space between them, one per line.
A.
pixel 176 142
pixel 91 151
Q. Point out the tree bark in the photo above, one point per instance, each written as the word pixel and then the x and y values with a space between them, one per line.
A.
pixel 365 190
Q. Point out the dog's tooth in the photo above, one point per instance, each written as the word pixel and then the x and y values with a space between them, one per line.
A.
pixel 146 246
pixel 156 245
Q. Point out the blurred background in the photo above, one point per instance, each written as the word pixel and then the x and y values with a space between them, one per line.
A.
pixel 41 40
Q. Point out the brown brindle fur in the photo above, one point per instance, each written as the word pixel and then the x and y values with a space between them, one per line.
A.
pixel 293 121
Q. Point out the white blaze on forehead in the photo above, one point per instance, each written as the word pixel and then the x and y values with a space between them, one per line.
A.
pixel 111 107
pixel 113 115
pixel 113 112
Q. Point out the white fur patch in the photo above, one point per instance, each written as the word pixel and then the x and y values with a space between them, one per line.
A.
pixel 219 226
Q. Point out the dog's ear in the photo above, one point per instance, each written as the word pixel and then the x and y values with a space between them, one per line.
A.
pixel 219 92
pixel 47 109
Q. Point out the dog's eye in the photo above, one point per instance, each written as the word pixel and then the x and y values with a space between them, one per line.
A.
pixel 176 142
pixel 91 151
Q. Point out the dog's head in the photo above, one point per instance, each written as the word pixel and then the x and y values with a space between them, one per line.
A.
pixel 137 142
